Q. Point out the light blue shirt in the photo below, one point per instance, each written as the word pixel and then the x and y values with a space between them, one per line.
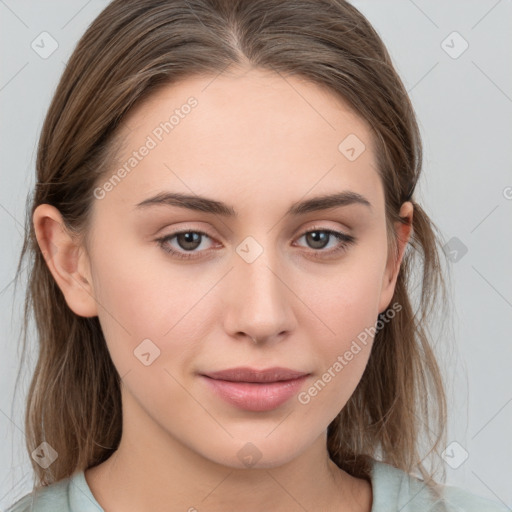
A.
pixel 393 491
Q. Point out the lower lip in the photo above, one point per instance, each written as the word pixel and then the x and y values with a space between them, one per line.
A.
pixel 256 397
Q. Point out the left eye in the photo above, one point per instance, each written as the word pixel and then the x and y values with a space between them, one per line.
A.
pixel 319 237
pixel 189 241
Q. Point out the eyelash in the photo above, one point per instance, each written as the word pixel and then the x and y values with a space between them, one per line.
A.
pixel 345 241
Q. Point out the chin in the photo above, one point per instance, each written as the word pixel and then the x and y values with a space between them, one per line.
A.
pixel 257 452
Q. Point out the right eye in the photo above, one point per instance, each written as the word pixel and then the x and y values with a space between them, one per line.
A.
pixel 188 240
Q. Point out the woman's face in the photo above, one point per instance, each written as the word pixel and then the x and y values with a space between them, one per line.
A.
pixel 237 163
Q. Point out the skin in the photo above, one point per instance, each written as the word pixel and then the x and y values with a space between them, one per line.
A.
pixel 258 142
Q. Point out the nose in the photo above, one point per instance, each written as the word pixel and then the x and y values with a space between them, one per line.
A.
pixel 258 299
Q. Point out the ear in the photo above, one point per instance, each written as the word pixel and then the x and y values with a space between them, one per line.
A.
pixel 403 233
pixel 66 259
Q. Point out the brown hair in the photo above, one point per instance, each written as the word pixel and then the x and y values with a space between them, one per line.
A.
pixel 136 46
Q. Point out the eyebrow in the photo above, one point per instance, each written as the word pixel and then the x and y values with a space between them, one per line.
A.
pixel 206 205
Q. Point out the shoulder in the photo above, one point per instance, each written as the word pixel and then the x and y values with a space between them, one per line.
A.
pixel 67 495
pixel 394 490
pixel 52 497
pixel 462 500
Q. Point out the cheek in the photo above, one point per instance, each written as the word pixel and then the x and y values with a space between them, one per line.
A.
pixel 348 305
pixel 136 301
pixel 170 305
pixel 150 329
pixel 131 284
pixel 347 301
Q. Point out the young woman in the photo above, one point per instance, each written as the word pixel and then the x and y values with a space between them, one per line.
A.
pixel 222 237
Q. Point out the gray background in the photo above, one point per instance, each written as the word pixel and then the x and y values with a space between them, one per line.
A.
pixel 464 107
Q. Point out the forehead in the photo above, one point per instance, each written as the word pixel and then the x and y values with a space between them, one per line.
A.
pixel 251 107
pixel 251 134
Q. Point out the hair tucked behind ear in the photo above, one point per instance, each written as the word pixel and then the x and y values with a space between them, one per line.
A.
pixel 132 48
pixel 400 397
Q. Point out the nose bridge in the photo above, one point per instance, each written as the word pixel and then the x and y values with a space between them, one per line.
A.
pixel 256 266
pixel 259 299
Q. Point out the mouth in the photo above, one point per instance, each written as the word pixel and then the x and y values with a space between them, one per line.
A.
pixel 244 374
pixel 255 390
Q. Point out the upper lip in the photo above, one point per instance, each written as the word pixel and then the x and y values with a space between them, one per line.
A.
pixel 246 374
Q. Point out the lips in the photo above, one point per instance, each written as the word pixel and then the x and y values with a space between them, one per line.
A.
pixel 255 390
pixel 244 374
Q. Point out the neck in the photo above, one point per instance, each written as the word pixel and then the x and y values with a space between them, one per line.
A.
pixel 152 470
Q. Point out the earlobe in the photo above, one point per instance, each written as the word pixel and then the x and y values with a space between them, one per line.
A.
pixel 403 232
pixel 66 260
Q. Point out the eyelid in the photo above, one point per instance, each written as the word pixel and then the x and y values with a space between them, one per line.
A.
pixel 344 239
pixel 188 229
pixel 302 232
pixel 323 227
